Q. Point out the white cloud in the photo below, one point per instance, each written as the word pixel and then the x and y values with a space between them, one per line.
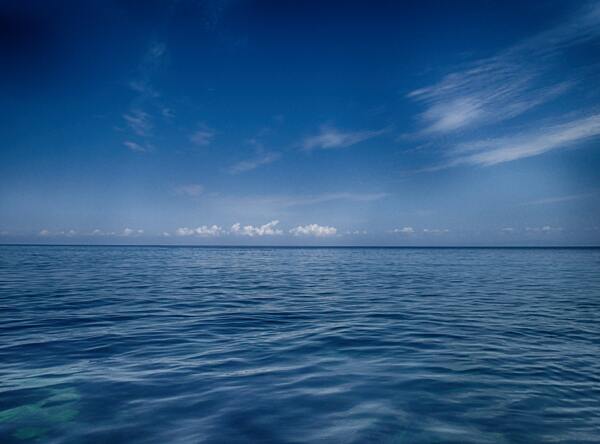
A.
pixel 329 138
pixel 511 82
pixel 299 200
pixel 251 164
pixel 357 232
pixel 155 54
pixel 546 229
pixel 329 197
pixel 139 119
pixel 203 231
pixel 185 231
pixel 202 137
pixel 191 189
pixel 144 88
pixel 267 229
pixel 68 233
pixel 494 151
pixel 167 113
pixel 151 61
pixel 404 230
pixel 139 122
pixel 131 232
pixel 453 114
pixel 314 230
pixel 435 230
pixel 135 147
pixel 98 232
pixel 559 199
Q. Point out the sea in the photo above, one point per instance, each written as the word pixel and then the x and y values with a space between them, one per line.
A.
pixel 124 344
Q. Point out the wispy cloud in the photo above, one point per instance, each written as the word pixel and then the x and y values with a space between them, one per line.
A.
pixel 559 199
pixel 357 233
pixel 494 151
pixel 190 189
pixel 314 230
pixel 404 230
pixel 136 147
pixel 202 137
pixel 508 84
pixel 295 200
pixel 59 233
pixel 262 158
pixel 140 117
pixel 139 122
pixel 329 197
pixel 331 138
pixel 546 229
pixel 151 61
pixel 435 230
pixel 268 229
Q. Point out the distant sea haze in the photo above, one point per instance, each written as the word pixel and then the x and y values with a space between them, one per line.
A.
pixel 299 345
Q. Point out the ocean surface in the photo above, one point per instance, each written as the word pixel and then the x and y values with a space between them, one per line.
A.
pixel 291 345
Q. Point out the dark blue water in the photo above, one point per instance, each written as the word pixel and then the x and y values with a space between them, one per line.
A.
pixel 193 345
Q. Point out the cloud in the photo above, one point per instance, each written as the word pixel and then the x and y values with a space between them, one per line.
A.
pixel 202 137
pixel 251 164
pixel 139 122
pixel 314 230
pixel 404 230
pixel 435 230
pixel 294 200
pixel 509 83
pixel 546 229
pixel 127 232
pixel 152 60
pixel 267 229
pixel 146 105
pixel 203 231
pixel 494 151
pixel 357 232
pixel 559 199
pixel 154 55
pixel 331 138
pixel 191 189
pixel 67 233
pixel 136 147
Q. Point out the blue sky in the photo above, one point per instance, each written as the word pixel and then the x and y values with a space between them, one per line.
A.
pixel 300 123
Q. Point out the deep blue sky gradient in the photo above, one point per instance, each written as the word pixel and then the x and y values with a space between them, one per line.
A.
pixel 348 123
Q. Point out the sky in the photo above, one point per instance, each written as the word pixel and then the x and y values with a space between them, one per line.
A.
pixel 300 123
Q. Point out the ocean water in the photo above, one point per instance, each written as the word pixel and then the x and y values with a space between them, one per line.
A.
pixel 289 345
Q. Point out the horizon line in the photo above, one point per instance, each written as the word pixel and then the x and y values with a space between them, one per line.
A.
pixel 310 246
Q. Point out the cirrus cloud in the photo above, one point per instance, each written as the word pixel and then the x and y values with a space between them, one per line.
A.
pixel 331 138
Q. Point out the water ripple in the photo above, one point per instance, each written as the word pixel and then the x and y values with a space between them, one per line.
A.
pixel 225 345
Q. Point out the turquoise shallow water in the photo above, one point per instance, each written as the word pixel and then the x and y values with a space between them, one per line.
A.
pixel 228 345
